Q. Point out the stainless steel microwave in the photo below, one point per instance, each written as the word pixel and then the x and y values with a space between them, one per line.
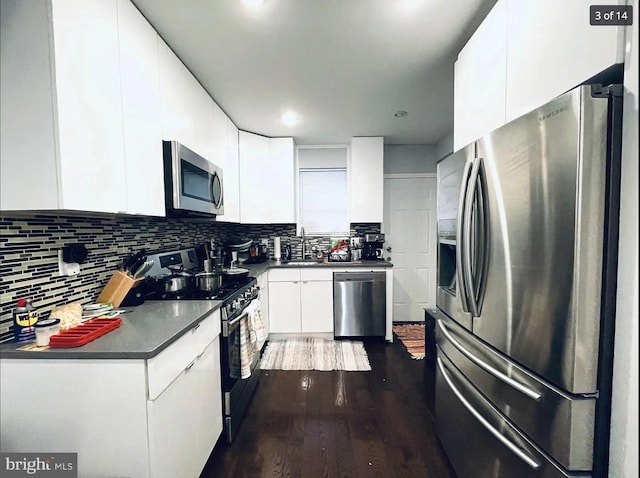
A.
pixel 192 184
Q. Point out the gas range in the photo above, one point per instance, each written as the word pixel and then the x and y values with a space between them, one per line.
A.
pixel 235 295
pixel 226 293
pixel 239 314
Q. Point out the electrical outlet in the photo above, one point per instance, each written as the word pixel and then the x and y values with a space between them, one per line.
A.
pixel 67 268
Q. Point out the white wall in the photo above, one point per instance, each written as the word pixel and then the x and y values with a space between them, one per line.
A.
pixel 623 460
pixel 410 158
pixel 444 146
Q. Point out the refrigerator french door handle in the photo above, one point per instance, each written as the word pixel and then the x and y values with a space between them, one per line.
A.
pixel 533 394
pixel 466 246
pixel 461 288
pixel 482 246
pixel 529 460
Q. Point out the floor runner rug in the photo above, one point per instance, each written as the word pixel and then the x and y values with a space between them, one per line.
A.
pixel 412 337
pixel 310 353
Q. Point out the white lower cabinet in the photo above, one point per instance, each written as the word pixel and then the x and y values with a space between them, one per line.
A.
pixel 316 300
pixel 184 421
pixel 301 300
pixel 152 418
pixel 284 307
pixel 263 284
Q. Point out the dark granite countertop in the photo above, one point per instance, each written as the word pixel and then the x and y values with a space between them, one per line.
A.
pixel 144 332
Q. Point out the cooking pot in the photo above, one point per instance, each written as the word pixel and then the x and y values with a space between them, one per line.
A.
pixel 179 280
pixel 208 281
pixel 233 275
pixel 177 283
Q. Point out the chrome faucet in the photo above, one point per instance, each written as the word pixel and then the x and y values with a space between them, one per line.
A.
pixel 302 234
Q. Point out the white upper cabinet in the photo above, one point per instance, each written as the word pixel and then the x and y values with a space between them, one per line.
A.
pixel 480 80
pixel 523 55
pixel 282 180
pixel 188 112
pixel 267 179
pixel 231 176
pixel 62 136
pixel 553 48
pixel 365 179
pixel 80 117
pixel 141 112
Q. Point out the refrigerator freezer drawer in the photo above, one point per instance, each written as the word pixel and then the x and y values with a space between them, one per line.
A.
pixel 561 424
pixel 479 441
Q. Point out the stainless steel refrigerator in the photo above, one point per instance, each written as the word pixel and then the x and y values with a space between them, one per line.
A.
pixel 527 255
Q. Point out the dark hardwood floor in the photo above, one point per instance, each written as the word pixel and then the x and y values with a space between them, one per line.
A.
pixel 340 424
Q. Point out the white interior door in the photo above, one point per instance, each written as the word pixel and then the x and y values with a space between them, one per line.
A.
pixel 410 243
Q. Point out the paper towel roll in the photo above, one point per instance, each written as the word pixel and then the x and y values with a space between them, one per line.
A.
pixel 276 248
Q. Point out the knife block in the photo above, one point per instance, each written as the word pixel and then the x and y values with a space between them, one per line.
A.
pixel 117 288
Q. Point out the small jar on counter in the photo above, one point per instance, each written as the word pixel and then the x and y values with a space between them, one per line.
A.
pixel 45 329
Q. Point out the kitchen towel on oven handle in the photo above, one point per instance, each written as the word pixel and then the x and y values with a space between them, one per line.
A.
pixel 247 348
pixel 257 328
pixel 242 351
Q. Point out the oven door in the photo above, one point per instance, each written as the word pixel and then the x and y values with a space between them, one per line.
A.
pixel 238 355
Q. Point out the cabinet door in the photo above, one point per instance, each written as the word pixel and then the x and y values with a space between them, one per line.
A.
pixel 231 176
pixel 141 112
pixel 365 179
pixel 284 307
pixel 185 421
pixel 263 283
pixel 316 306
pixel 480 80
pixel 28 143
pixel 552 48
pixel 177 93
pixel 266 179
pixel 89 105
pixel 281 180
pixel 255 175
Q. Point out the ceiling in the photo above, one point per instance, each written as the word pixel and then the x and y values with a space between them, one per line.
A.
pixel 345 66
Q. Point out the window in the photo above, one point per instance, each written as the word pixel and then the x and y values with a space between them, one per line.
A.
pixel 322 190
pixel 323 201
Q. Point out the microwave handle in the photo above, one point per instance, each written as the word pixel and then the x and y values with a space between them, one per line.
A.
pixel 212 179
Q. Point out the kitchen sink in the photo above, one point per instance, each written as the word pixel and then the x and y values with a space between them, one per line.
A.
pixel 301 263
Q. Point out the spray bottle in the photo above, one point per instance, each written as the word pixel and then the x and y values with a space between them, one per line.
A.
pixel 24 318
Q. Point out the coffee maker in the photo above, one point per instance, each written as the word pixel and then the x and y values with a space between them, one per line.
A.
pixel 373 248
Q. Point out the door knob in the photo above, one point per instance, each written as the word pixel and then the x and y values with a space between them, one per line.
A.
pixel 389 249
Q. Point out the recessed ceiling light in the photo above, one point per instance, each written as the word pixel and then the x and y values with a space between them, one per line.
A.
pixel 400 114
pixel 290 118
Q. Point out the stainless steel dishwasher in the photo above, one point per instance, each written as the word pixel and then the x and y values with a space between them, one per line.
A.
pixel 359 304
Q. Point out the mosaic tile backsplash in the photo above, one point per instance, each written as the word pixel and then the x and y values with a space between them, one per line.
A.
pixel 29 245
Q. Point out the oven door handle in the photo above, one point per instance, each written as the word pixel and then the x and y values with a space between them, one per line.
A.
pixel 227 327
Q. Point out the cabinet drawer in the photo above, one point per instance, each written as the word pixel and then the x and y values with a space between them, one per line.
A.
pixel 168 364
pixel 316 274
pixel 284 275
pixel 185 421
pixel 206 330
